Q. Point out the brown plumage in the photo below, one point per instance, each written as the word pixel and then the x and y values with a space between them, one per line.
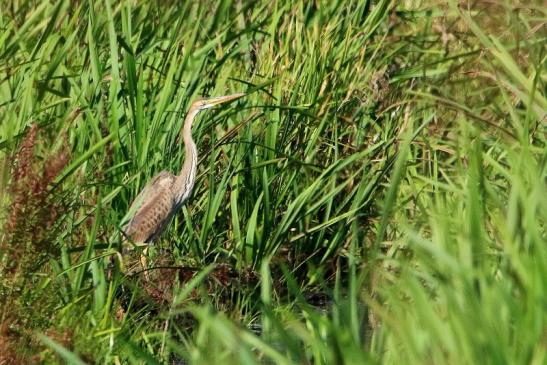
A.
pixel 155 212
pixel 155 206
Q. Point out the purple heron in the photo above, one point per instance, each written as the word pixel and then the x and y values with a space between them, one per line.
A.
pixel 163 196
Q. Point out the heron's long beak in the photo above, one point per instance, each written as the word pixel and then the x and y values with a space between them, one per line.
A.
pixel 209 103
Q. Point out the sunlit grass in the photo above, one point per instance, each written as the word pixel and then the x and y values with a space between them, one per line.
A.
pixel 377 197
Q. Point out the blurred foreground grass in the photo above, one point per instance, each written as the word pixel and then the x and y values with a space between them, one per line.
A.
pixel 378 197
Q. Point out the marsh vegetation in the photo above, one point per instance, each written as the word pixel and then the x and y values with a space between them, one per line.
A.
pixel 378 196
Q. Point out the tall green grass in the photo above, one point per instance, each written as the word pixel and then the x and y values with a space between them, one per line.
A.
pixel 377 197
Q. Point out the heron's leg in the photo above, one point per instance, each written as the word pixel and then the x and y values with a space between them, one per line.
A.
pixel 144 263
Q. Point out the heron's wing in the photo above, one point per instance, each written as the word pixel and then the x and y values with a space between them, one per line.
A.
pixel 148 190
pixel 151 209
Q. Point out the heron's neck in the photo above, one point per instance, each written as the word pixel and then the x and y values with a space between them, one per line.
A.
pixel 185 180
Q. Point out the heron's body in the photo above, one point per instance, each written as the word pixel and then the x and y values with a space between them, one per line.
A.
pixel 155 206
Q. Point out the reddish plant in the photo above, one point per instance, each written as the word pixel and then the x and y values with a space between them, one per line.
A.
pixel 32 218
pixel 34 208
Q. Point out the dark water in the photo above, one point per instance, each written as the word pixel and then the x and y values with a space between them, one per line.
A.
pixel 323 305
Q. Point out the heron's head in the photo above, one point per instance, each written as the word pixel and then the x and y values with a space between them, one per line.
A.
pixel 207 103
